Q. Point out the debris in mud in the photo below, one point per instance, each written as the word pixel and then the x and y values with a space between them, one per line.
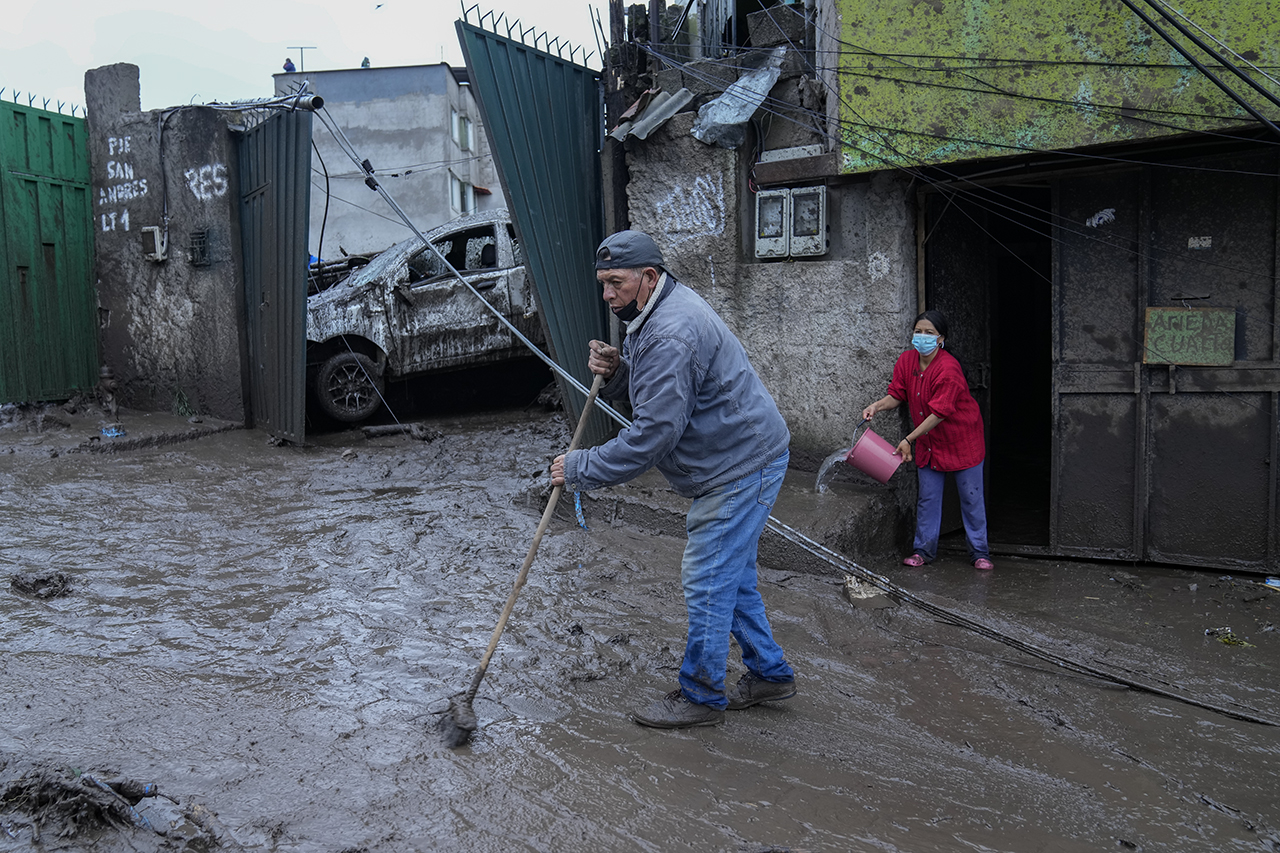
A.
pixel 864 595
pixel 1226 636
pixel 49 584
pixel 47 802
pixel 416 431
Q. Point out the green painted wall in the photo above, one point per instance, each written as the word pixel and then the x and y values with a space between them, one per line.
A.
pixel 937 81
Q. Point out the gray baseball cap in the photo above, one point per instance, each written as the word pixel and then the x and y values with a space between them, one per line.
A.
pixel 628 250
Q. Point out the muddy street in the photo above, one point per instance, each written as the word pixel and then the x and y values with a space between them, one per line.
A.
pixel 271 633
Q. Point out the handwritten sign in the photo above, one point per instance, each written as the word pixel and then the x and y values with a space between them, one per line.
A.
pixel 1197 336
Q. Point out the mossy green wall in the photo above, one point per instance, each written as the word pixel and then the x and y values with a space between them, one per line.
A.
pixel 937 81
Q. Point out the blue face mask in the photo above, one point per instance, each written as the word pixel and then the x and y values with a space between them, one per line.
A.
pixel 925 344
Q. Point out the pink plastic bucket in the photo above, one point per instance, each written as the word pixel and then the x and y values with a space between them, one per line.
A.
pixel 874 456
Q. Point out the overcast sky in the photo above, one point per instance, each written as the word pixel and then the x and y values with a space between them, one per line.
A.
pixel 191 52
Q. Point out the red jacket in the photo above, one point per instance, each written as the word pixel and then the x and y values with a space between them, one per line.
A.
pixel 956 443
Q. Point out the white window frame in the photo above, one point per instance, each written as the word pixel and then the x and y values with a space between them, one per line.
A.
pixel 460 128
pixel 462 195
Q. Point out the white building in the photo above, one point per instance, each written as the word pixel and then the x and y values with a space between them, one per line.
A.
pixel 420 128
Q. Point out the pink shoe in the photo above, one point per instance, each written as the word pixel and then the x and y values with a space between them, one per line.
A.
pixel 915 561
pixel 983 563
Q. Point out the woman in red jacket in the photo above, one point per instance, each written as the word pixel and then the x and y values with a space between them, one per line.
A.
pixel 948 437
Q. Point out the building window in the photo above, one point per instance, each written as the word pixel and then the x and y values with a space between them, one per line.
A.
pixel 461 130
pixel 462 195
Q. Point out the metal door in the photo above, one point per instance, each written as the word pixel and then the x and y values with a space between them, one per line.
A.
pixel 48 331
pixel 545 123
pixel 275 193
pixel 1152 461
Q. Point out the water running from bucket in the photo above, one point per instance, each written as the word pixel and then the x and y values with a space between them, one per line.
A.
pixel 828 465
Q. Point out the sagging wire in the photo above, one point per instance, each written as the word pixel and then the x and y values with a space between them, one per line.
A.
pixel 1230 66
pixel 1134 113
pixel 372 182
pixel 1200 66
pixel 777 107
pixel 368 210
pixel 405 171
pixel 325 218
pixel 1219 42
pixel 1066 104
pixel 839 561
pixel 1053 219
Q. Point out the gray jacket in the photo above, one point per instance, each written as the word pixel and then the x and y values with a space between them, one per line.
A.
pixel 701 414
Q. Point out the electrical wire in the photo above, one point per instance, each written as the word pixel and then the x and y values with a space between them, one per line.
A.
pixel 772 106
pixel 1219 42
pixel 1022 216
pixel 371 180
pixel 404 171
pixel 325 218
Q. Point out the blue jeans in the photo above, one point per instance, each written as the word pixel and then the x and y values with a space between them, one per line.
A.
pixel 973 511
pixel 719 576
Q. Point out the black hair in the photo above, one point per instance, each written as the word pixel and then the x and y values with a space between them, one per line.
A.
pixel 936 317
pixel 939 321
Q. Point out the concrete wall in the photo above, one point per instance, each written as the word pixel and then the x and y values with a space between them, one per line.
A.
pixel 970 79
pixel 823 334
pixel 400 120
pixel 171 330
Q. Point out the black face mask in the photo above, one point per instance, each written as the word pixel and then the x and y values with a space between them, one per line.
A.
pixel 627 312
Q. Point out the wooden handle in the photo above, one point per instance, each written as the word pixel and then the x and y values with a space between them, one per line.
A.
pixel 533 546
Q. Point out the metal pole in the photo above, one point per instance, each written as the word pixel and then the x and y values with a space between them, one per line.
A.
pixel 302 58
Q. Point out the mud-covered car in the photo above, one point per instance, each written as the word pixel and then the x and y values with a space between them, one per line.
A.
pixel 405 314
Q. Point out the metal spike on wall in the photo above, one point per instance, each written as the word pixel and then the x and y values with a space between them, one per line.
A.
pixel 59 107
pixel 542 40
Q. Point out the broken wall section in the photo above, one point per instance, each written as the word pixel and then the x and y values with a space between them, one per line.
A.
pixel 167 249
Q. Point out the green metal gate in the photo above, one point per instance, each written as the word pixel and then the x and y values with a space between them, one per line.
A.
pixel 48 336
pixel 544 118
pixel 275 205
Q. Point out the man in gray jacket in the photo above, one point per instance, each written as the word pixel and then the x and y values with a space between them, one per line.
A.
pixel 705 420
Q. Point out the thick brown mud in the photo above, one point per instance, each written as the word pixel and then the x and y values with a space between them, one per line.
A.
pixel 269 634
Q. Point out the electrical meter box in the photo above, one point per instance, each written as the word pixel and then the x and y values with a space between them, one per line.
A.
pixel 773 216
pixel 808 221
pixel 791 222
pixel 154 246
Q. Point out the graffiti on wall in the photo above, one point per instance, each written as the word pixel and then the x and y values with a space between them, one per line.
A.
pixel 694 211
pixel 122 184
pixel 207 182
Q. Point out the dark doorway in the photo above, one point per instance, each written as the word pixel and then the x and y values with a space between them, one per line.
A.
pixel 989 261
pixel 1020 411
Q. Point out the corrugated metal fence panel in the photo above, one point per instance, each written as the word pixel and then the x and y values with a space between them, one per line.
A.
pixel 48 336
pixel 544 121
pixel 275 194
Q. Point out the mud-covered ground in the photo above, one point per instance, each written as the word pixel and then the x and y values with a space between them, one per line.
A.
pixel 269 634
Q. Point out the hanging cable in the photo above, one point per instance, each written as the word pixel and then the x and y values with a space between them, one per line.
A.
pixel 1231 93
pixel 372 182
pixel 1230 66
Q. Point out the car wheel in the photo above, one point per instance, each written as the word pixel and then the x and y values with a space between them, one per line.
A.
pixel 349 387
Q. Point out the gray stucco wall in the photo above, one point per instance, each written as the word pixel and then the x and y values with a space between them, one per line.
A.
pixel 171 330
pixel 400 120
pixel 823 334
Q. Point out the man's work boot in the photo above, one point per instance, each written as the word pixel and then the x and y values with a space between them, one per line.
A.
pixel 674 711
pixel 751 689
